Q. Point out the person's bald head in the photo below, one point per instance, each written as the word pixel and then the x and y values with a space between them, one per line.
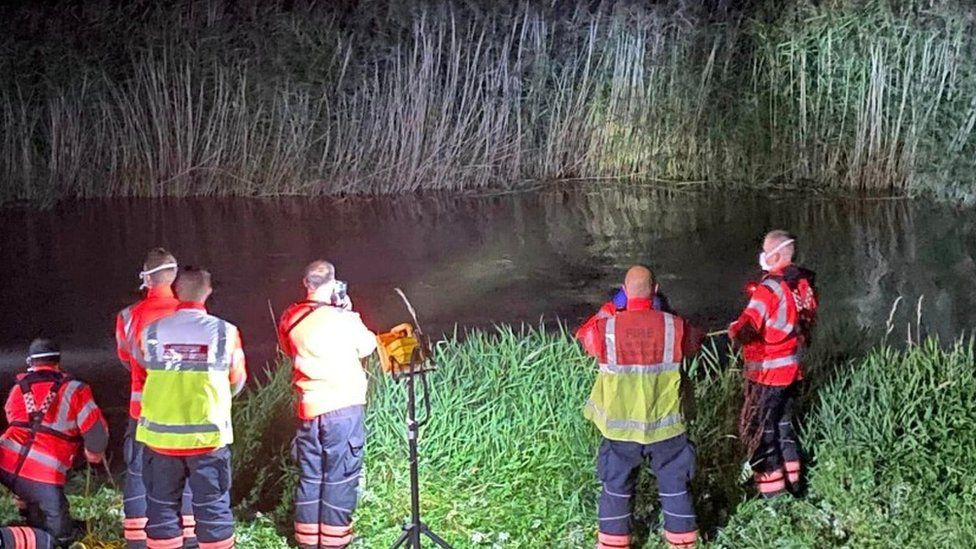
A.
pixel 193 285
pixel 639 282
pixel 161 266
pixel 779 247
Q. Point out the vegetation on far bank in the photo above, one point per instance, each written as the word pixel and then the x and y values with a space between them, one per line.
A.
pixel 507 458
pixel 204 98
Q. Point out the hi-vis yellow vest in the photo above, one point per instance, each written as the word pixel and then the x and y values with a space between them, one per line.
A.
pixel 186 402
pixel 637 394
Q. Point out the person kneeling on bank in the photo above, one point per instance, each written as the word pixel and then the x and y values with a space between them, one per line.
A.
pixel 51 417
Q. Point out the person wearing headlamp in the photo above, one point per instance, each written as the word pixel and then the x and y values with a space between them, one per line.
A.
pixel 773 330
pixel 51 418
pixel 158 273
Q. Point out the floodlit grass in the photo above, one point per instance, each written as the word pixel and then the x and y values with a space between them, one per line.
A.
pixel 197 98
pixel 507 459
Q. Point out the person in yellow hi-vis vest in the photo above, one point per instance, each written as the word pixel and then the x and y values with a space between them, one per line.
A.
pixel 636 405
pixel 195 365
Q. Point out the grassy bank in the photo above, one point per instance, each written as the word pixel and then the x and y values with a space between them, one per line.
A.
pixel 507 459
pixel 201 98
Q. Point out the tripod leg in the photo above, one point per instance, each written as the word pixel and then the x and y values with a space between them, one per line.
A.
pixel 434 537
pixel 404 537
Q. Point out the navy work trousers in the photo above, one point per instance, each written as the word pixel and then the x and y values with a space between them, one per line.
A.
pixel 329 452
pixel 209 478
pixel 776 458
pixel 134 496
pixel 44 506
pixel 618 465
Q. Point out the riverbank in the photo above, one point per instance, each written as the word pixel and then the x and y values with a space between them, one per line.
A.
pixel 507 459
pixel 373 97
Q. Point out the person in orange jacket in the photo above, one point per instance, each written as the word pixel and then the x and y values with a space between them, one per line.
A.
pixel 326 342
pixel 157 276
pixel 51 417
pixel 773 330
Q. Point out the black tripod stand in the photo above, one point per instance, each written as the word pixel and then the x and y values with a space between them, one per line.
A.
pixel 419 365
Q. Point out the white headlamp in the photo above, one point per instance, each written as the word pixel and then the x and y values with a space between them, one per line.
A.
pixel 163 267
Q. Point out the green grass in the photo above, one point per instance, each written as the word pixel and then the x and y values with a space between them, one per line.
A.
pixel 507 459
pixel 176 99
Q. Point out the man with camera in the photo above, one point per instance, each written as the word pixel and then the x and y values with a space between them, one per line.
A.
pixel 326 341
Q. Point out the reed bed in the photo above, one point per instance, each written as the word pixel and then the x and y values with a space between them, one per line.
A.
pixel 207 98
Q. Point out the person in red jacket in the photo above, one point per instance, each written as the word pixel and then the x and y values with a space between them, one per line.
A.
pixel 326 341
pixel 773 330
pixel 157 276
pixel 51 417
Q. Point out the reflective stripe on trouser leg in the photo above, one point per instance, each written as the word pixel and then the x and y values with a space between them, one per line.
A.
pixel 25 537
pixel 617 465
pixel 164 478
pixel 210 481
pixel 772 483
pixel 307 452
pixel 133 491
pixel 612 541
pixel 342 434
pixel 673 463
pixel 681 540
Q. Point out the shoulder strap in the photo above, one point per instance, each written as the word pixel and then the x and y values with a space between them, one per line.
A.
pixel 312 307
pixel 35 414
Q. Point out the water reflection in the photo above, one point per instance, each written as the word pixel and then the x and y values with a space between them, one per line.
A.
pixel 471 260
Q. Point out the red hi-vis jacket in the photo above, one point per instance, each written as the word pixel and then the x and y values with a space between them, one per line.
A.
pixel 774 313
pixel 129 324
pixel 72 419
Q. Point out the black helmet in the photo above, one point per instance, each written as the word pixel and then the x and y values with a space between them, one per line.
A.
pixel 45 350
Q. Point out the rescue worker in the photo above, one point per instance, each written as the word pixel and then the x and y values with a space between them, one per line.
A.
pixel 326 341
pixel 636 405
pixel 157 276
pixel 194 365
pixel 51 417
pixel 773 330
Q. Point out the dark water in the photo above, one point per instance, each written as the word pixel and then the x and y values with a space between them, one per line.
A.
pixel 470 261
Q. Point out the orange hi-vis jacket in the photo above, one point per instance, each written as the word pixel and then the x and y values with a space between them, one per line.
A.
pixel 326 344
pixel 72 418
pixel 129 325
pixel 772 358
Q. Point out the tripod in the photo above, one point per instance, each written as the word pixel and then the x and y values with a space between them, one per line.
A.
pixel 418 368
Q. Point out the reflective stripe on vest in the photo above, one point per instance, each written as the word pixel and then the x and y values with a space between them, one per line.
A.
pixel 781 321
pixel 647 427
pixel 668 364
pixel 186 401
pixel 35 454
pixel 773 363
pixel 636 394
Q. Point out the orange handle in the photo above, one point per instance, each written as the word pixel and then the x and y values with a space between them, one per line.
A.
pixel 402 330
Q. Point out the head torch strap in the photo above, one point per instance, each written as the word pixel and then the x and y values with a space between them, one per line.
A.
pixel 781 245
pixel 43 355
pixel 163 267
